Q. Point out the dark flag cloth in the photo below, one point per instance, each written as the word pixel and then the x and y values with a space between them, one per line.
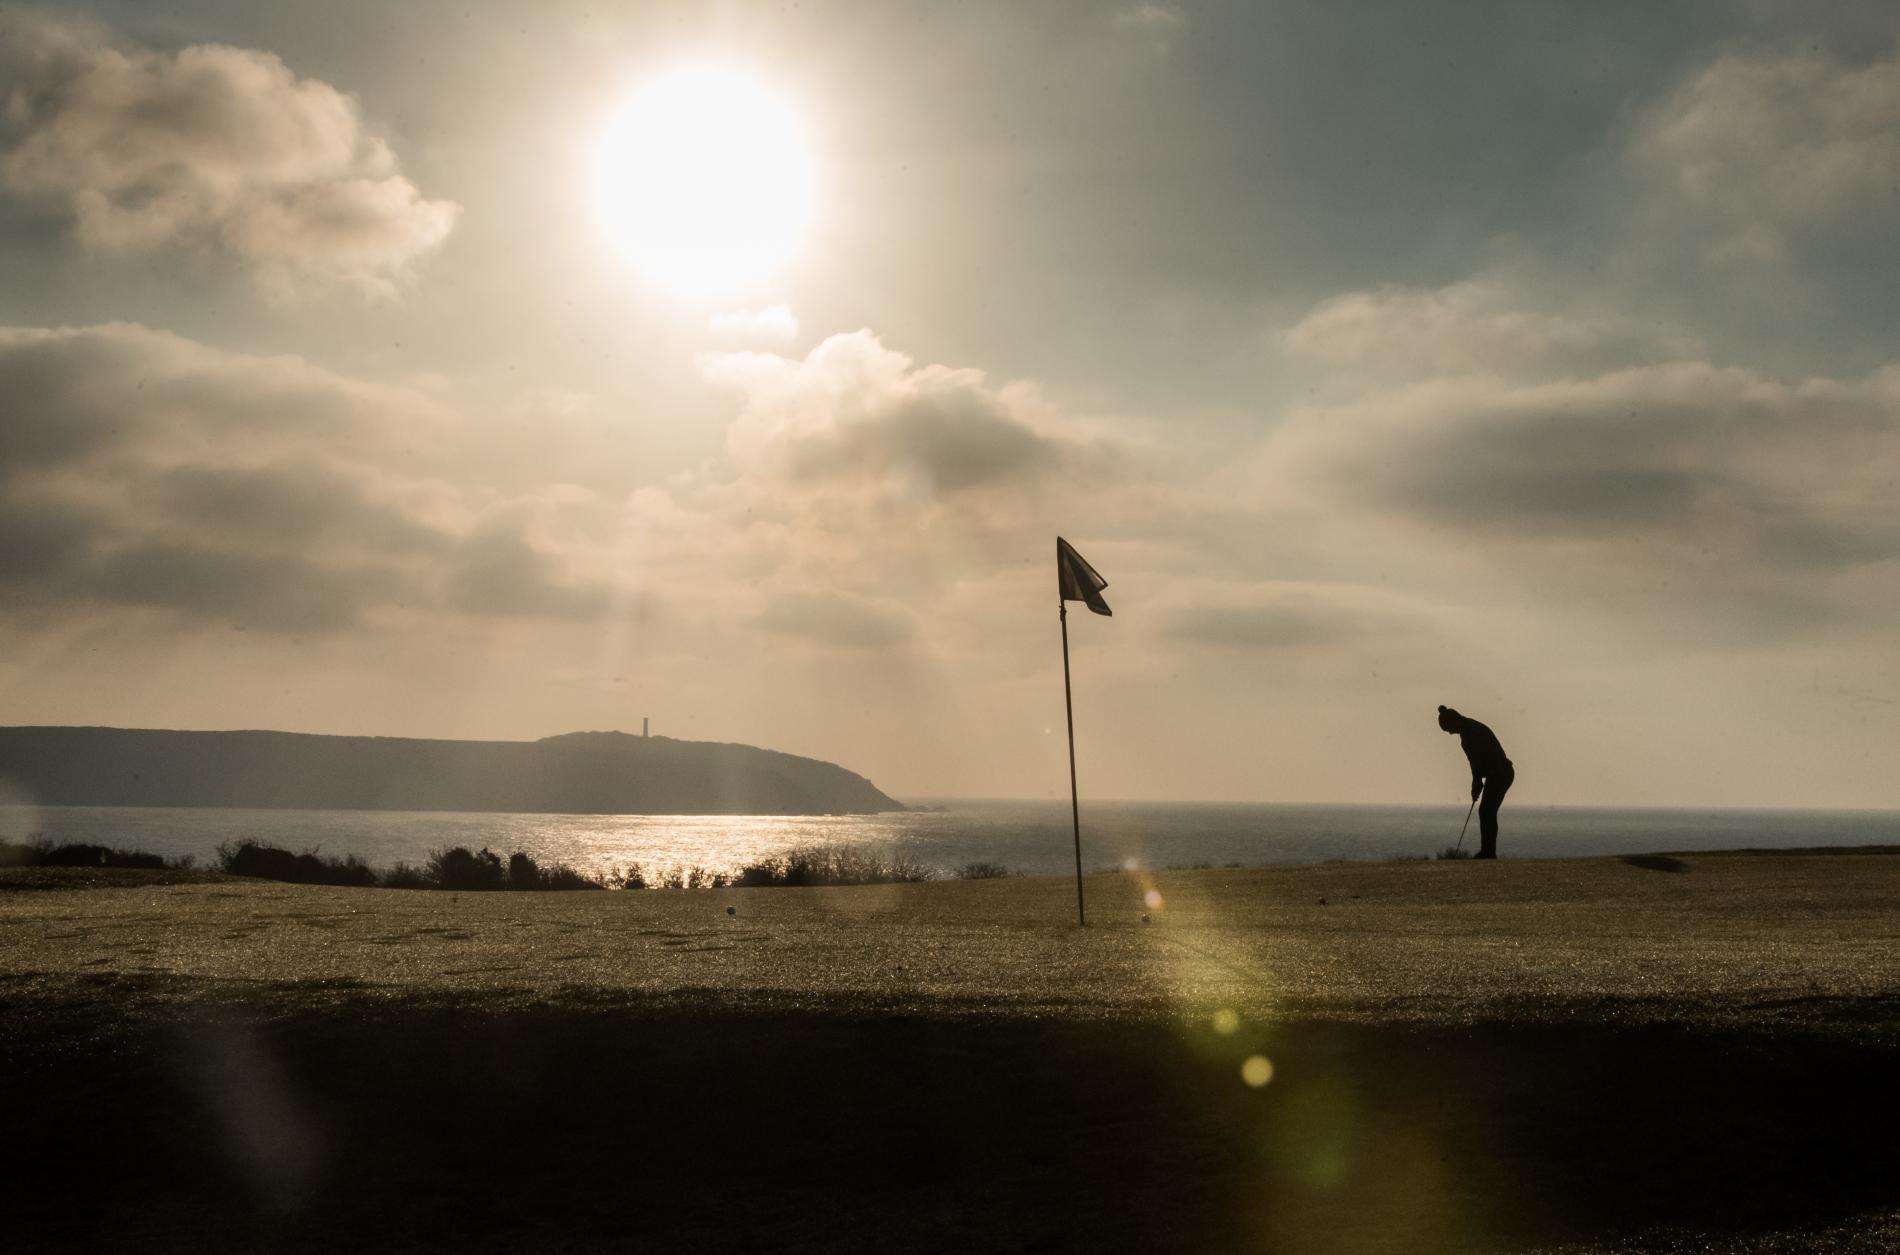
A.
pixel 1077 579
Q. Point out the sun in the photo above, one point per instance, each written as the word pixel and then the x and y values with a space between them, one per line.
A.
pixel 705 180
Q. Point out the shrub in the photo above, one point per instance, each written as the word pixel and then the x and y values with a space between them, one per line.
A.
pixel 458 869
pixel 40 852
pixel 455 868
pixel 405 876
pixel 1452 851
pixel 523 873
pixel 268 862
pixel 561 876
pixel 829 865
pixel 982 871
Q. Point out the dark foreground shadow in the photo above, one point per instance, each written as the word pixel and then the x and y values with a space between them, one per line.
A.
pixel 450 1130
pixel 1656 862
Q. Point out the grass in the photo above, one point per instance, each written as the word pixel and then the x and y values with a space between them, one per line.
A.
pixel 1575 1055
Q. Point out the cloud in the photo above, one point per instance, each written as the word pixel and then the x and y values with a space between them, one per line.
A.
pixel 280 592
pixel 1777 155
pixel 1476 326
pixel 293 500
pixel 498 571
pixel 837 620
pixel 140 468
pixel 774 323
pixel 1283 615
pixel 211 145
pixel 853 410
pixel 1714 494
pixel 1160 19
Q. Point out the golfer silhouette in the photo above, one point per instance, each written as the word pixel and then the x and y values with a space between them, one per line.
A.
pixel 1491 773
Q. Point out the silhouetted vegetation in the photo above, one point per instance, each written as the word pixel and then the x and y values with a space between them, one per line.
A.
pixel 41 852
pixel 1452 851
pixel 268 862
pixel 405 876
pixel 828 865
pixel 456 868
pixel 982 871
pixel 462 870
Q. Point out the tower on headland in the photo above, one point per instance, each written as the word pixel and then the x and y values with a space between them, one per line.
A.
pixel 643 725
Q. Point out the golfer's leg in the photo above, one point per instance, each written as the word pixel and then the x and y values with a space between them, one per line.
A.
pixel 1495 787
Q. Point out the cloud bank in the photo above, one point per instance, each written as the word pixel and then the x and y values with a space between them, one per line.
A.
pixel 208 146
pixel 142 469
pixel 1737 503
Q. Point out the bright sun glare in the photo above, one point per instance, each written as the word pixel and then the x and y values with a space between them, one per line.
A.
pixel 704 179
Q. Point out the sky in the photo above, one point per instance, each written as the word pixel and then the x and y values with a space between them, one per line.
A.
pixel 1534 359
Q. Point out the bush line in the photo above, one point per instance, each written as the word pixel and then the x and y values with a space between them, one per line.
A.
pixel 40 852
pixel 462 870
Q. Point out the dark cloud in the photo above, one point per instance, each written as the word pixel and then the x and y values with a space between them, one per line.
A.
pixel 275 592
pixel 855 410
pixel 1295 617
pixel 144 469
pixel 40 538
pixel 67 393
pixel 208 145
pixel 1742 505
pixel 496 571
pixel 1709 456
pixel 61 394
pixel 302 501
pixel 948 443
pixel 837 620
pixel 1261 627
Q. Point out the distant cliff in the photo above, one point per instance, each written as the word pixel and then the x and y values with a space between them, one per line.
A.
pixel 579 773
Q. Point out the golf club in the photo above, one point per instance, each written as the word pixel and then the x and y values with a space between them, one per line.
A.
pixel 1467 825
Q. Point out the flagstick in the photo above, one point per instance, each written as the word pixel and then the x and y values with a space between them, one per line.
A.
pixel 1075 807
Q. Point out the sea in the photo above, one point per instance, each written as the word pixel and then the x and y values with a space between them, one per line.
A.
pixel 946 835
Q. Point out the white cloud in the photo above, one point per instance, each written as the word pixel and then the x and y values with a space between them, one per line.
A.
pixel 774 323
pixel 854 411
pixel 207 146
pixel 1773 154
pixel 1151 17
pixel 1475 327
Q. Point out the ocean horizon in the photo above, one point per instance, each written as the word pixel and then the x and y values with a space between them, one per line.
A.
pixel 1028 836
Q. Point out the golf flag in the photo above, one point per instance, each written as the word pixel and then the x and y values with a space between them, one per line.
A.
pixel 1077 580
